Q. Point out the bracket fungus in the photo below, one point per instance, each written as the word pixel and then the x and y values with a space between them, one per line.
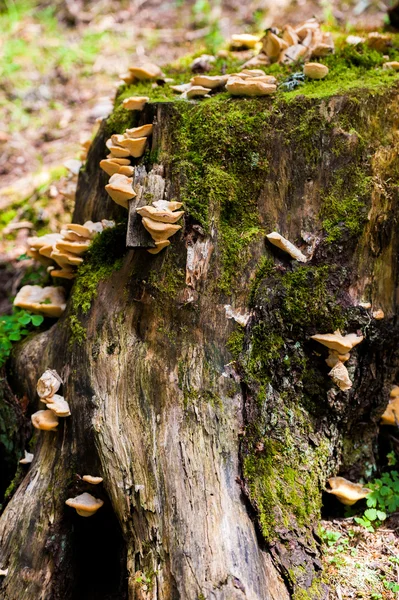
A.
pixel 135 146
pixel 393 65
pixel 391 413
pixel 159 220
pixel 85 504
pixel 338 342
pixel 120 189
pixel 27 458
pixel 281 242
pixel 196 91
pixel 160 231
pixel 164 216
pixel 48 384
pixel 243 41
pixel 91 479
pixel 146 72
pixel 46 420
pixel 340 376
pixel 139 132
pixel 237 86
pixel 58 405
pixel 49 301
pixel 346 491
pixel 315 70
pixel 135 102
pixel 113 165
pixel 209 81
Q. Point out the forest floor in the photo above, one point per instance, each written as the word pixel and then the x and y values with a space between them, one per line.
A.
pixel 58 73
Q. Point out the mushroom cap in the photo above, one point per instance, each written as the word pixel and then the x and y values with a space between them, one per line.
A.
pixel 209 81
pixel 315 70
pixel 117 151
pixel 160 231
pixel 120 189
pixel 158 247
pixel 49 301
pixel 135 146
pixel 126 170
pixel 164 216
pixel 110 166
pixel 166 205
pixel 394 393
pixel 196 91
pixel 58 405
pixel 273 45
pixel 63 273
pixel 135 102
pixel 49 239
pixel 63 258
pixel 341 343
pixel 346 491
pixel 116 139
pixel 378 314
pixel 393 64
pixel 138 132
pixel 48 384
pixel 89 229
pixel 36 255
pixel 91 479
pixel 281 242
pixel 146 71
pixel 27 458
pixel 378 41
pixel 290 35
pixel 77 248
pixel 243 40
pixel 391 413
pixel 45 420
pixel 183 87
pixel 241 87
pixel 340 376
pixel 85 504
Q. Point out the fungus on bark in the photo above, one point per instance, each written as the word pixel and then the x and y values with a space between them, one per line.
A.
pixel 196 91
pixel 58 405
pixel 158 247
pixel 49 301
pixel 46 420
pixel 135 146
pixel 113 165
pixel 164 216
pixel 138 132
pixel 48 384
pixel 160 231
pixel 91 479
pixel 340 376
pixel 281 242
pixel 237 86
pixel 209 81
pixel 85 504
pixel 315 70
pixel 346 491
pixel 146 72
pixel 120 189
pixel 27 458
pixel 391 413
pixel 135 102
pixel 338 342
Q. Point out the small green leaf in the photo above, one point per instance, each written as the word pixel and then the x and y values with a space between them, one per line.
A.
pixel 37 320
pixel 370 514
pixel 24 320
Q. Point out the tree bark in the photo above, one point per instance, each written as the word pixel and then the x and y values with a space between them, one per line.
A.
pixel 215 440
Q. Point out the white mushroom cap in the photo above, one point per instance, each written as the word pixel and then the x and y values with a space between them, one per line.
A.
pixel 146 71
pixel 49 239
pixel 135 102
pixel 138 132
pixel 281 242
pixel 92 480
pixel 58 405
pixel 27 458
pixel 48 384
pixel 341 343
pixel 120 189
pixel 160 231
pixel 164 216
pixel 85 504
pixel 45 420
pixel 209 81
pixel 158 247
pixel 315 70
pixel 346 491
pixel 49 301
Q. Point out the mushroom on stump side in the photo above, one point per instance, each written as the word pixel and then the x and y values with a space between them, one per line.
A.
pixel 85 504
pixel 160 219
pixel 346 491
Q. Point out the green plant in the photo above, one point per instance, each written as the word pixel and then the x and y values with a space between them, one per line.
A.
pixel 13 328
pixel 382 500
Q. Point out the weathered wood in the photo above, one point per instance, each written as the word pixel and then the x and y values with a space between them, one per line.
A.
pixel 137 236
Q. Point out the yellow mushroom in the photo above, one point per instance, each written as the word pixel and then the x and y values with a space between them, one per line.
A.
pixel 111 166
pixel 139 132
pixel 160 231
pixel 135 102
pixel 335 341
pixel 164 216
pixel 92 480
pixel 241 87
pixel 315 70
pixel 134 146
pixel 146 71
pixel 243 41
pixel 391 414
pixel 45 420
pixel 85 504
pixel 76 248
pixel 346 491
pixel 49 301
pixel 120 189
pixel 158 247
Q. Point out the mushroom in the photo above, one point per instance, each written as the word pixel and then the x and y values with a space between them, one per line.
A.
pixel 135 102
pixel 146 71
pixel 63 258
pixel 45 420
pixel 196 91
pixel 85 504
pixel 92 480
pixel 281 242
pixel 334 357
pixel 315 70
pixel 210 81
pixel 378 314
pixel 164 216
pixel 241 87
pixel 62 273
pixel 336 341
pixel 117 151
pixel 135 146
pixel 3 572
pixel 391 414
pixel 27 458
pixel 36 255
pixel 243 41
pixel 379 41
pixel 346 491
pixel 166 205
pixel 393 64
pixel 77 248
pixel 273 45
pixel 354 40
pixel 160 231
pixel 183 87
pixel 49 239
pixel 120 189
pixel 290 35
pixel 158 247
pixel 49 301
pixel 48 384
pixel 139 132
pixel 111 166
pixel 89 229
pixel 394 393
pixel 58 405
pixel 260 60
pixel 340 376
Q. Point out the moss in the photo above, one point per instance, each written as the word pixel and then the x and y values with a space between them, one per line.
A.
pixel 235 342
pixel 168 279
pixel 102 259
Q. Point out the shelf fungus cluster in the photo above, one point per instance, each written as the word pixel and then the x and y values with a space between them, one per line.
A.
pixel 62 252
pixel 339 347
pixel 391 414
pixel 248 82
pixel 144 72
pixel 49 301
pixel 302 42
pixel 160 220
pixel 346 491
pixel 56 406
